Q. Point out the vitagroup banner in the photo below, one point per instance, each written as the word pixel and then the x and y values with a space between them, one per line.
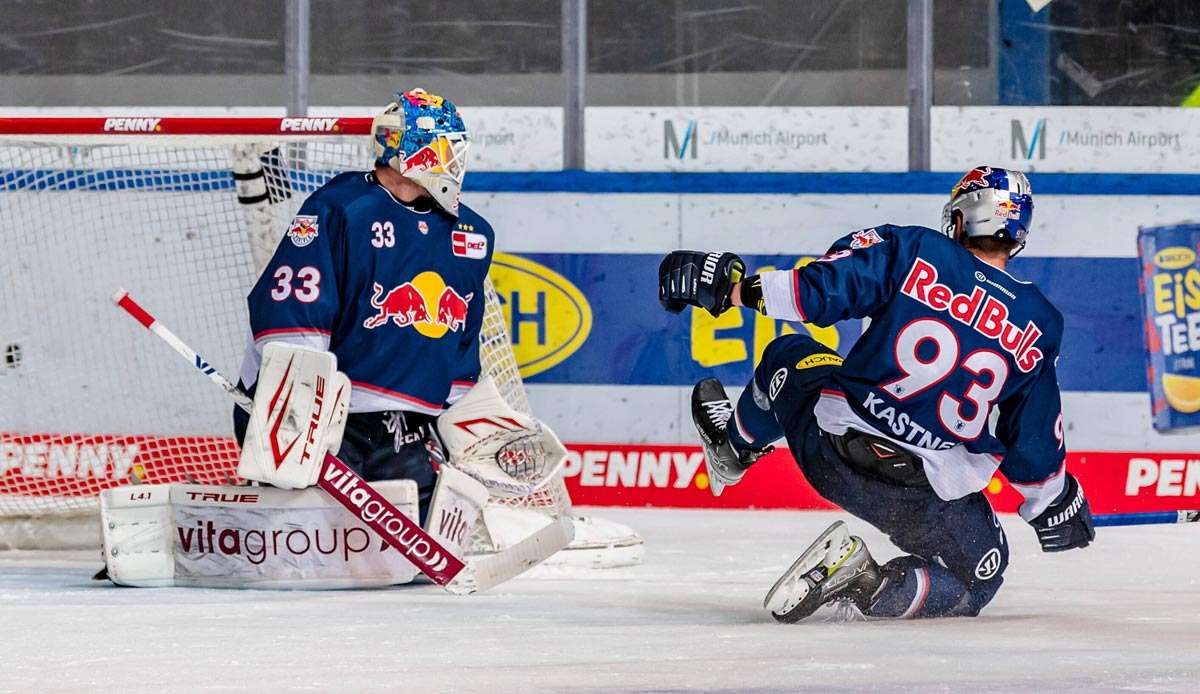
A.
pixel 746 139
pixel 1067 139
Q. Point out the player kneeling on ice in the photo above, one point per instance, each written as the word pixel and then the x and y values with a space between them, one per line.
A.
pixel 897 433
pixel 381 274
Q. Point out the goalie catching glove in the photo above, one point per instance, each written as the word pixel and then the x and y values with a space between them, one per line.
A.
pixel 510 453
pixel 704 280
pixel 300 408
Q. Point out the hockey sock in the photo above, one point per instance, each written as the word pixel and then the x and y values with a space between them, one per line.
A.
pixel 752 426
pixel 914 588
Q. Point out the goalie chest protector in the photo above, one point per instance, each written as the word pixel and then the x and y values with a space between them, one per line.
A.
pixel 395 291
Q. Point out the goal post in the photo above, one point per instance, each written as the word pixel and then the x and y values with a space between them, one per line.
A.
pixel 184 212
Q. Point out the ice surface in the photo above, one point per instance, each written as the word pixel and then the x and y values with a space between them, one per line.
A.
pixel 1123 614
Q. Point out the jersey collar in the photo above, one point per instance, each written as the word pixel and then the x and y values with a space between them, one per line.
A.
pixel 425 206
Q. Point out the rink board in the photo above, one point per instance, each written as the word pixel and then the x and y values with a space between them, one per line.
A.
pixel 615 368
pixel 596 474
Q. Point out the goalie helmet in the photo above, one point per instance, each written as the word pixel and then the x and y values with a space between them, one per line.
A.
pixel 422 136
pixel 991 202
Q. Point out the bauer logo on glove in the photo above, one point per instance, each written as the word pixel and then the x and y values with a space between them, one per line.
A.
pixel 703 280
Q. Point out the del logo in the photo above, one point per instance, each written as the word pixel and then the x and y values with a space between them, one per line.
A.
pixel 547 316
pixel 819 360
pixel 427 304
pixel 1174 258
pixel 466 244
pixel 865 239
pixel 303 229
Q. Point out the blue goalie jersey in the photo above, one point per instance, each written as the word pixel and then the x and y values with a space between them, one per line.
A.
pixel 395 291
pixel 951 339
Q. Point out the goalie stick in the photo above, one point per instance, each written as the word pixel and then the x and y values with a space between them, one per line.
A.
pixel 1147 518
pixel 373 510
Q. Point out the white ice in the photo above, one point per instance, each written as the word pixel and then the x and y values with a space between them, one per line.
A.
pixel 1123 614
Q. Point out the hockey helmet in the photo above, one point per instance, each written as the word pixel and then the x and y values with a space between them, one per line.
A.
pixel 991 202
pixel 422 136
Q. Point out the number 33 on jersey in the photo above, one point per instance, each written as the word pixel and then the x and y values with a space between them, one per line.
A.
pixel 394 290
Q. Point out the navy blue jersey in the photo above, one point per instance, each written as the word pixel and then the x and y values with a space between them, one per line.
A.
pixel 951 339
pixel 394 291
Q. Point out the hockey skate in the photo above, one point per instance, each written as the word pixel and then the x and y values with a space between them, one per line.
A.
pixel 711 412
pixel 836 567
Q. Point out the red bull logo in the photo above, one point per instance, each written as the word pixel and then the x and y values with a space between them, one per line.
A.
pixel 420 97
pixel 424 159
pixel 1007 209
pixel 975 178
pixel 865 239
pixel 303 229
pixel 426 304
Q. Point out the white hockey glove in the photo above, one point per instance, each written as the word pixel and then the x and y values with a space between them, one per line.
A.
pixel 299 413
pixel 512 454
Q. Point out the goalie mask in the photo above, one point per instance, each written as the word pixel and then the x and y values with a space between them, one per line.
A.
pixel 422 136
pixel 991 202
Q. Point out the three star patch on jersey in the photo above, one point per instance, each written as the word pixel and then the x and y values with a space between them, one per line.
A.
pixel 466 244
pixel 303 229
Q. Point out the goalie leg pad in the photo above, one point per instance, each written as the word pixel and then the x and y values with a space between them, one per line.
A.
pixel 246 537
pixel 457 504
pixel 300 406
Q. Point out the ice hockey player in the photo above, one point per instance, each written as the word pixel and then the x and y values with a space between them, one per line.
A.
pixel 385 269
pixel 898 432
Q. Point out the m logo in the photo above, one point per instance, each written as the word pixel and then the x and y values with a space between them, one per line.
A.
pixel 989 565
pixel 1019 146
pixel 673 146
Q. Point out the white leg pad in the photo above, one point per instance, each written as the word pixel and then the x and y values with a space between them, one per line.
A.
pixel 246 537
pixel 458 501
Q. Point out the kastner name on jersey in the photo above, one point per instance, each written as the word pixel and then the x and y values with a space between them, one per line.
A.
pixel 395 291
pixel 951 337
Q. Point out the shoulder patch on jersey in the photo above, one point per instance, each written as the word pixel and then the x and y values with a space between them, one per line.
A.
pixel 468 244
pixel 865 239
pixel 303 229
pixel 819 359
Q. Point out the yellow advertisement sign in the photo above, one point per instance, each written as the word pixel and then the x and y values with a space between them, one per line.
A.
pixel 548 318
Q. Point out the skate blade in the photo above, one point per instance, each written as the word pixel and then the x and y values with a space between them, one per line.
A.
pixel 776 599
pixel 714 482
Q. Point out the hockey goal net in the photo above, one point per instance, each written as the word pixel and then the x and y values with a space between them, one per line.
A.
pixel 184 212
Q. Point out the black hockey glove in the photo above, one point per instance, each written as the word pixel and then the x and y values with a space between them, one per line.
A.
pixel 1066 523
pixel 693 278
